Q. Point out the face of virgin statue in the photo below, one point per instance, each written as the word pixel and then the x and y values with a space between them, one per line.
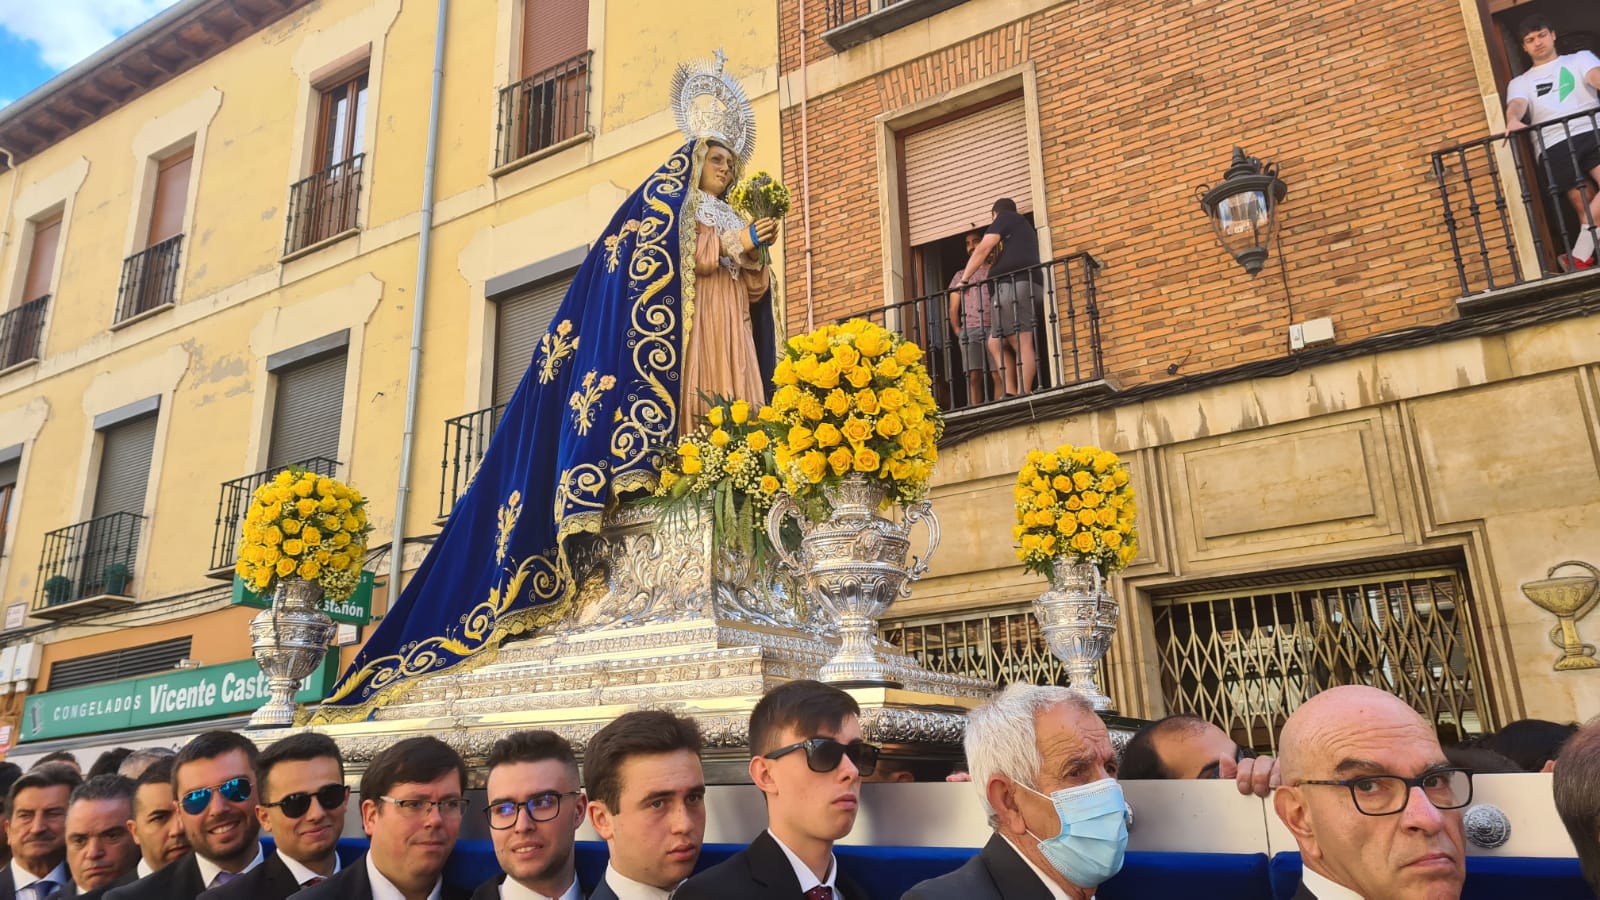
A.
pixel 717 173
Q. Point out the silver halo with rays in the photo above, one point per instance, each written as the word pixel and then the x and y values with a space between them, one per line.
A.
pixel 708 103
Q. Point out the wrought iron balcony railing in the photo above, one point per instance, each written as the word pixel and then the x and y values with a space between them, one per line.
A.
pixel 234 501
pixel 149 279
pixel 1505 209
pixel 89 559
pixel 1065 334
pixel 324 204
pixel 851 22
pixel 466 438
pixel 22 332
pixel 541 112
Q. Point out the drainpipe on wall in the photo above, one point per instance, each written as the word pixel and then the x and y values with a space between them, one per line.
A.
pixel 418 302
pixel 805 170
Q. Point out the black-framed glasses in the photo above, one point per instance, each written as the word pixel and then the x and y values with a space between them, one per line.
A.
pixel 823 754
pixel 541 808
pixel 1240 754
pixel 330 797
pixel 418 809
pixel 234 790
pixel 1387 795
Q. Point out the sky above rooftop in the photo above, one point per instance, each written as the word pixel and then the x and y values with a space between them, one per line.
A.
pixel 39 38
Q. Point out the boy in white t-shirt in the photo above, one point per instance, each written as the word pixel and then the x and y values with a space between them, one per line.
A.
pixel 1554 87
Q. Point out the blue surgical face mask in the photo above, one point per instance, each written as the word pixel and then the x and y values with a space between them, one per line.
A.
pixel 1094 832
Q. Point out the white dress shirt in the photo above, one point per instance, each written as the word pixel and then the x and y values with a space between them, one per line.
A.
pixel 627 889
pixel 1324 888
pixel 143 868
pixel 808 878
pixel 1057 892
pixel 209 869
pixel 511 889
pixel 21 878
pixel 384 889
pixel 301 873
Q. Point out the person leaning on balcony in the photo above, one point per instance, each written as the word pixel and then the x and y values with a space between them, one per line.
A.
pixel 1045 772
pixel 1577 792
pixel 971 311
pixel 1371 799
pixel 1188 747
pixel 1556 86
pixel 1013 319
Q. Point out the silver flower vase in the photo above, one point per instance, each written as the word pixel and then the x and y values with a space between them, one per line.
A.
pixel 289 639
pixel 1078 617
pixel 853 564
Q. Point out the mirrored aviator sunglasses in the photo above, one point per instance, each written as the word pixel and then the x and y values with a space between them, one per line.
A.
pixel 330 797
pixel 234 790
pixel 823 754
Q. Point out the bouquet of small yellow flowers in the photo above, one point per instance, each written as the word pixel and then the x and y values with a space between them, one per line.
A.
pixel 760 196
pixel 308 526
pixel 1075 501
pixel 855 398
pixel 727 460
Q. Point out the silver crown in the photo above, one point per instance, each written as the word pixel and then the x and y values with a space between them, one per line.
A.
pixel 710 104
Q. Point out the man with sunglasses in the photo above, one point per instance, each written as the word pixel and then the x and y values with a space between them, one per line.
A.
pixel 1371 799
pixel 1188 747
pixel 648 802
pixel 413 797
pixel 303 775
pixel 807 757
pixel 535 805
pixel 213 778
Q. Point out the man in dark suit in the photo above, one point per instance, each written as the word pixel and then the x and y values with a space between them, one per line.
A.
pixel 536 803
pixel 303 804
pixel 36 815
pixel 101 851
pixel 156 825
pixel 807 757
pixel 1371 799
pixel 213 781
pixel 412 801
pixel 648 802
pixel 1044 769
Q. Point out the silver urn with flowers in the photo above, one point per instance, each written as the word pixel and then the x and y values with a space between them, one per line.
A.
pixel 304 539
pixel 1076 525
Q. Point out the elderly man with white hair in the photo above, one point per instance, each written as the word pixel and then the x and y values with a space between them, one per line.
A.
pixel 1045 770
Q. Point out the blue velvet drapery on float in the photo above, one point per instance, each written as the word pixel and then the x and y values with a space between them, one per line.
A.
pixel 584 427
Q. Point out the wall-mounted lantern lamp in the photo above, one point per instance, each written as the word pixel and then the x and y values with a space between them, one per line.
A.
pixel 1243 208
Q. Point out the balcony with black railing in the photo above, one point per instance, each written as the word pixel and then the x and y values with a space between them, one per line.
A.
pixel 22 333
pixel 1055 344
pixel 324 205
pixel 544 111
pixel 234 502
pixel 88 566
pixel 852 22
pixel 1506 207
pixel 466 439
pixel 149 279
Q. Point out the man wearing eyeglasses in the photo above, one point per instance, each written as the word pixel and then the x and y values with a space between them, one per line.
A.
pixel 1371 799
pixel 1188 747
pixel 535 805
pixel 302 805
pixel 36 818
pixel 413 797
pixel 807 757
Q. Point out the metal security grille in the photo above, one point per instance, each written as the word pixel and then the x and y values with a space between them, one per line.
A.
pixel 127 663
pixel 520 321
pixel 1000 645
pixel 1245 662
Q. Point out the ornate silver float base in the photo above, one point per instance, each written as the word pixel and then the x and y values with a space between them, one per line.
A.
pixel 289 639
pixel 1078 616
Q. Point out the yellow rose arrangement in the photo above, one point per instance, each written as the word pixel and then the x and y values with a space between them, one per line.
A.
pixel 855 399
pixel 308 526
pixel 1076 502
pixel 727 462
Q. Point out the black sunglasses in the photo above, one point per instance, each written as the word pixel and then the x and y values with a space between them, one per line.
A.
pixel 823 754
pixel 234 790
pixel 330 797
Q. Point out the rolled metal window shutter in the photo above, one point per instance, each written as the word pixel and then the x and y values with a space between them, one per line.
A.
pixel 553 31
pixel 955 171
pixel 125 467
pixel 112 665
pixel 41 260
pixel 310 408
pixel 172 195
pixel 521 320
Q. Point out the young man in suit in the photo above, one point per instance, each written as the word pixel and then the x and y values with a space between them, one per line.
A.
pixel 648 802
pixel 535 805
pixel 213 780
pixel 807 757
pixel 303 803
pixel 413 796
pixel 1044 768
pixel 101 851
pixel 36 817
pixel 156 825
pixel 1354 758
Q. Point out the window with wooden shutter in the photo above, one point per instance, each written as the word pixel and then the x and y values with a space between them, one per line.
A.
pixel 125 452
pixel 309 411
pixel 172 197
pixel 553 31
pixel 41 260
pixel 520 321
pixel 955 170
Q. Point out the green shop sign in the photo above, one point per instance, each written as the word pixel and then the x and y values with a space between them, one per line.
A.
pixel 181 695
pixel 355 609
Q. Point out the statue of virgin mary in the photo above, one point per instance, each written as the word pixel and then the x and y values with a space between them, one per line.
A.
pixel 671 305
